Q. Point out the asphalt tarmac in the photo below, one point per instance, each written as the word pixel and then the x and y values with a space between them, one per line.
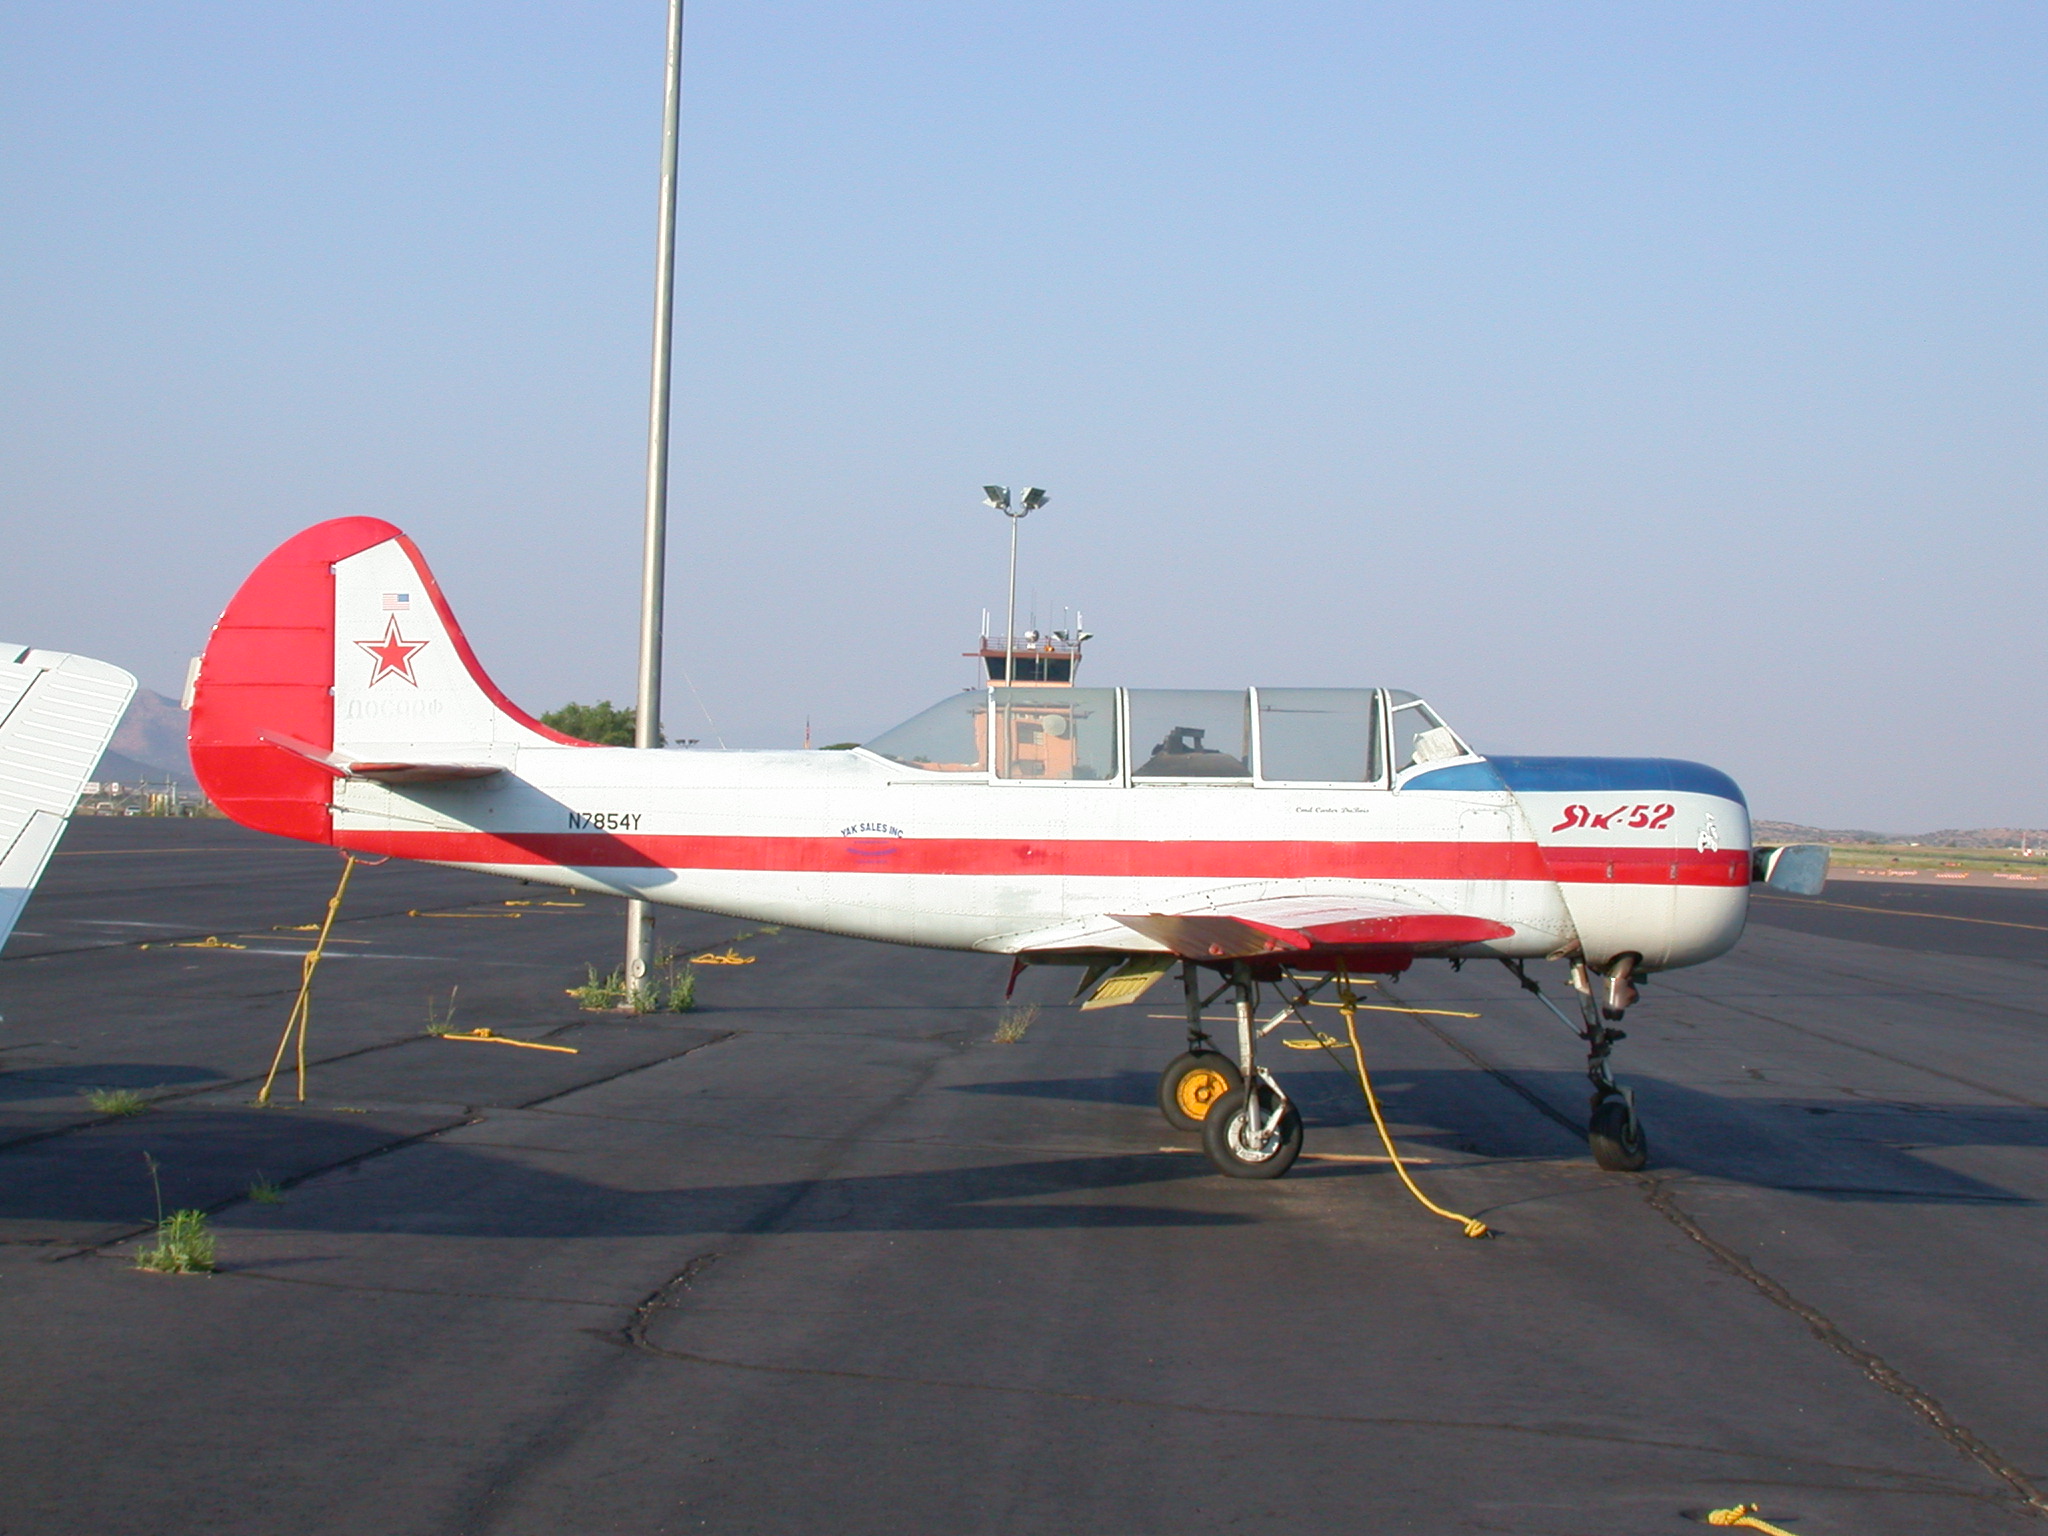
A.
pixel 822 1257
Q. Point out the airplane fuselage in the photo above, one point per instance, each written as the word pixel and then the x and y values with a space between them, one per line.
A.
pixel 1599 856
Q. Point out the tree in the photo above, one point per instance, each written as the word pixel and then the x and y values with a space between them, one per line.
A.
pixel 603 723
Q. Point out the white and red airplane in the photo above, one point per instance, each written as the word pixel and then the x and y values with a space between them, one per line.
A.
pixel 1257 833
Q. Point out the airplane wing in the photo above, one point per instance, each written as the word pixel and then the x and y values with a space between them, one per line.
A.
pixel 1264 925
pixel 57 714
pixel 343 766
pixel 1251 928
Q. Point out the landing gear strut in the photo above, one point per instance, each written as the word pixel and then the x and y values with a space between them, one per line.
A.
pixel 1253 1131
pixel 1613 1129
pixel 1196 1079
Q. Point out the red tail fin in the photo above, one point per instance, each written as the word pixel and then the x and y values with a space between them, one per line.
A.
pixel 270 671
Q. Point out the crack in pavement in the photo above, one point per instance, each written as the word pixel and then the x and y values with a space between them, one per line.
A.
pixel 1657 1194
pixel 668 1296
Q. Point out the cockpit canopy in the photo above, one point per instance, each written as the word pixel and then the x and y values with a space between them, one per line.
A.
pixel 1339 736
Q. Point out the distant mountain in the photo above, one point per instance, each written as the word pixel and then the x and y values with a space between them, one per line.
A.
pixel 1948 837
pixel 149 743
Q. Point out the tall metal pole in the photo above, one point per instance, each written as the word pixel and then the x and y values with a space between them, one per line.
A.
pixel 654 549
pixel 1010 623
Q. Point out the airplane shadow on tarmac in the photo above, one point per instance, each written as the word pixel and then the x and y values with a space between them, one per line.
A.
pixel 1849 1149
pixel 209 1157
pixel 58 1082
pixel 1855 1150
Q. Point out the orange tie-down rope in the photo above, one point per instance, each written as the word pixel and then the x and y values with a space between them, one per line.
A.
pixel 1745 1514
pixel 1347 1003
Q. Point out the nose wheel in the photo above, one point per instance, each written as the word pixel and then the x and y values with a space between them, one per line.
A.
pixel 1615 1134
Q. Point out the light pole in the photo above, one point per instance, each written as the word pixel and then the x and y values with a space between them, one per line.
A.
pixel 654 547
pixel 998 496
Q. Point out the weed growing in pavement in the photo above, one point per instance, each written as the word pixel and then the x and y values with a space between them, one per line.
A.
pixel 675 986
pixel 600 995
pixel 265 1191
pixel 439 1023
pixel 116 1101
pixel 671 988
pixel 184 1241
pixel 183 1246
pixel 1012 1024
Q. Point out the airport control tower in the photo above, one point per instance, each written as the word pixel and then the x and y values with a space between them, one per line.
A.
pixel 1042 660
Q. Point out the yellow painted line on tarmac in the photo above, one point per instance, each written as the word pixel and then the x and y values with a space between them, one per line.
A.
pixel 1330 1157
pixel 1939 917
pixel 1441 1013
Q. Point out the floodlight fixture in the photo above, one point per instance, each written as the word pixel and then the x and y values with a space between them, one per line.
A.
pixel 997 496
pixel 1034 498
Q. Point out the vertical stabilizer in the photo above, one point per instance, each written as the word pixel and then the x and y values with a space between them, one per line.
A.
pixel 57 714
pixel 340 644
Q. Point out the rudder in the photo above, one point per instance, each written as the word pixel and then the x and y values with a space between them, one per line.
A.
pixel 340 641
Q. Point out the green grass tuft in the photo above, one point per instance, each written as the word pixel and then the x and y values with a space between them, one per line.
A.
pixel 183 1246
pixel 439 1022
pixel 265 1192
pixel 116 1101
pixel 600 994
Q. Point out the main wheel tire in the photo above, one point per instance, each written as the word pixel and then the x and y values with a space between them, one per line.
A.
pixel 1226 1138
pixel 1192 1083
pixel 1616 1136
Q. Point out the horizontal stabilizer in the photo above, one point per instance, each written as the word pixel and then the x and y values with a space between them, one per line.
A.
pixel 345 767
pixel 1796 869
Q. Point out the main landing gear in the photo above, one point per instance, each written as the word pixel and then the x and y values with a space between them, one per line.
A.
pixel 1194 1080
pixel 1250 1129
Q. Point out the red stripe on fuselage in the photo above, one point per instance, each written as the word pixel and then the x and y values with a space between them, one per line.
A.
pixel 1194 860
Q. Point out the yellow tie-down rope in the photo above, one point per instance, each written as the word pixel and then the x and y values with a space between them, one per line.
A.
pixel 1745 1514
pixel 1347 1003
pixel 303 1007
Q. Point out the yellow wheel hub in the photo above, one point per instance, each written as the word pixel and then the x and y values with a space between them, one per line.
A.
pixel 1198 1089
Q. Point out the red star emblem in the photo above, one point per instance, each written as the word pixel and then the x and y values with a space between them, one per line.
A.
pixel 393 654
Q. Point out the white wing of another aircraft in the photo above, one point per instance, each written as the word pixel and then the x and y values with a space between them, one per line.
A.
pixel 57 714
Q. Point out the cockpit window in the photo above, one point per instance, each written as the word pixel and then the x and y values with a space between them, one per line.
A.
pixel 1319 735
pixel 950 737
pixel 1191 733
pixel 1055 733
pixel 1420 737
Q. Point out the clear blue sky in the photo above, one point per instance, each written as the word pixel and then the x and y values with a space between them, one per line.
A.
pixel 1625 378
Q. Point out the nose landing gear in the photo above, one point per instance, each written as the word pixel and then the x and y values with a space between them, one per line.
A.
pixel 1614 1131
